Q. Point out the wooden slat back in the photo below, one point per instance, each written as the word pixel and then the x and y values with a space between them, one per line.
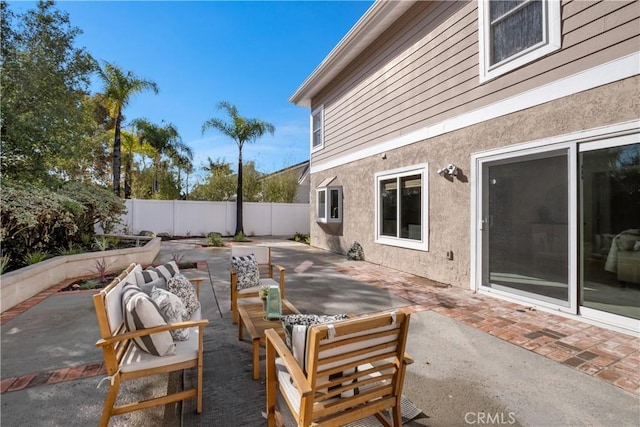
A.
pixel 262 254
pixel 378 339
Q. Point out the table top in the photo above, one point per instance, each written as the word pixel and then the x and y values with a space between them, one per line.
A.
pixel 252 315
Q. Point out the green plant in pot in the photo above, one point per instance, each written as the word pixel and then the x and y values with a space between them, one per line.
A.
pixel 263 292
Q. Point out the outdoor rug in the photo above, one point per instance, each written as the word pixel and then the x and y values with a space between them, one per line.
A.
pixel 231 397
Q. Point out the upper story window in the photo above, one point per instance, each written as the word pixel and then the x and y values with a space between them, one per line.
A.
pixel 401 207
pixel 516 32
pixel 317 128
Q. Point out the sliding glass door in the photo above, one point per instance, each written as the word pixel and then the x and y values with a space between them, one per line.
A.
pixel 559 226
pixel 525 226
pixel 610 234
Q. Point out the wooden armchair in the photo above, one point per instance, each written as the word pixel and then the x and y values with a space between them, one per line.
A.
pixel 124 360
pixel 355 369
pixel 266 268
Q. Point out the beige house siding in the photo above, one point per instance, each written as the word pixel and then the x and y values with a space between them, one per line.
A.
pixel 449 202
pixel 424 70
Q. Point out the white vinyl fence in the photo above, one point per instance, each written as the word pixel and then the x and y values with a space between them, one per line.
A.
pixel 192 218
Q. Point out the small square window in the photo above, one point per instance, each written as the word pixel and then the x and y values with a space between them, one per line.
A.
pixel 317 129
pixel 513 33
pixel 329 204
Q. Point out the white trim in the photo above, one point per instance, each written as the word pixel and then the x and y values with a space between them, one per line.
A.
pixel 318 110
pixel 618 69
pixel 620 323
pixel 551 41
pixel 423 243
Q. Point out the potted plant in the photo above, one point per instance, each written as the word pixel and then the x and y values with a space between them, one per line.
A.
pixel 264 291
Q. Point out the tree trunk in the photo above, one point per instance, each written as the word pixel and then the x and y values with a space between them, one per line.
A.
pixel 239 226
pixel 127 177
pixel 117 156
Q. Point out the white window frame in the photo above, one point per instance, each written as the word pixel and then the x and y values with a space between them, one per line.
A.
pixel 551 41
pixel 423 243
pixel 320 111
pixel 324 216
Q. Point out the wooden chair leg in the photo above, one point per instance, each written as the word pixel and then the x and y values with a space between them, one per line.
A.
pixel 199 398
pixel 271 386
pixel 110 401
pixel 397 415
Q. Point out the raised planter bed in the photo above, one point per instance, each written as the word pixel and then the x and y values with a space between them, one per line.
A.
pixel 19 285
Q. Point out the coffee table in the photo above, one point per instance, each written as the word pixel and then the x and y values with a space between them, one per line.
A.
pixel 251 317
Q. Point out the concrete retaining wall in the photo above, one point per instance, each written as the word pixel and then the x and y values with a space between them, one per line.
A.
pixel 19 285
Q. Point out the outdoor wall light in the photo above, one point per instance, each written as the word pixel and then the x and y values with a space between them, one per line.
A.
pixel 451 170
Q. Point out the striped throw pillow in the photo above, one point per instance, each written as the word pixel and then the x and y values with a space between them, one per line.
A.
pixel 140 312
pixel 165 271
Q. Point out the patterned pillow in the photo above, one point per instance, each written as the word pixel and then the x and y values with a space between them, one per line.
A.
pixel 182 287
pixel 246 268
pixel 167 271
pixel 173 311
pixel 140 312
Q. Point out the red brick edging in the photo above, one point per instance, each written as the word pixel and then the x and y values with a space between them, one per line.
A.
pixel 52 377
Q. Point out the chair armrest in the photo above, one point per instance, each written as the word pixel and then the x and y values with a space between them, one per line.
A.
pixel 290 363
pixel 148 331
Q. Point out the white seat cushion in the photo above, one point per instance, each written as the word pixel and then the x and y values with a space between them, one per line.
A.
pixel 137 360
pixel 256 289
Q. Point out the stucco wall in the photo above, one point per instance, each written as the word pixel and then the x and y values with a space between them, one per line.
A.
pixel 449 202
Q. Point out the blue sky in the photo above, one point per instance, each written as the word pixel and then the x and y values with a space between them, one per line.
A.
pixel 252 54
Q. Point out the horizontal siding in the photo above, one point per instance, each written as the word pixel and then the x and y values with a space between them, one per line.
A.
pixel 424 69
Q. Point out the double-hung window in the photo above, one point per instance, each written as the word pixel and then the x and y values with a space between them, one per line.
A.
pixel 317 128
pixel 513 33
pixel 401 207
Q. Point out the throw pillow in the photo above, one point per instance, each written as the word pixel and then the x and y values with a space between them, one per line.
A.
pixel 140 312
pixel 167 271
pixel 159 283
pixel 182 287
pixel 246 268
pixel 296 328
pixel 636 246
pixel 173 311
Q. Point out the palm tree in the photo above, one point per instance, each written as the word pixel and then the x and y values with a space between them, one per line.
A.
pixel 241 130
pixel 119 87
pixel 165 141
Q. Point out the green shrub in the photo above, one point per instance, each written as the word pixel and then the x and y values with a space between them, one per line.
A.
pixel 240 237
pixel 37 219
pixel 101 243
pixel 4 262
pixel 215 239
pixel 35 257
pixel 300 237
pixel 73 250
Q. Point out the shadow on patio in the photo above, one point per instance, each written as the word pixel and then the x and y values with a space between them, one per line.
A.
pixel 475 356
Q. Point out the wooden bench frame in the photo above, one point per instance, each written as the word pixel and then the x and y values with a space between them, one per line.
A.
pixel 266 268
pixel 374 343
pixel 114 346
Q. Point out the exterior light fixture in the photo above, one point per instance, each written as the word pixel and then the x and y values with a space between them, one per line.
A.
pixel 450 171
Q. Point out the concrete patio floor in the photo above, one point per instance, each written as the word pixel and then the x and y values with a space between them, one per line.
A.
pixel 477 358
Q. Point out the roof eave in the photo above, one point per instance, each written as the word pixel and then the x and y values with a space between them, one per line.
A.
pixel 380 16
